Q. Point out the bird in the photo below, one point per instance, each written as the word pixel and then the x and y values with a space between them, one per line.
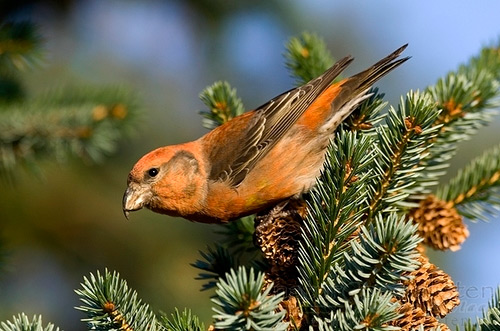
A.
pixel 255 160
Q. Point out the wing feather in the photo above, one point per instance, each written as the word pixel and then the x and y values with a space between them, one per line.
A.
pixel 272 121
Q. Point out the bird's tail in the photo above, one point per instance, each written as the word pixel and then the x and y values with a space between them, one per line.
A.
pixel 353 90
pixel 368 77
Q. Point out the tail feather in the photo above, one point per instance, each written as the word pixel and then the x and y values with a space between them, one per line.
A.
pixel 369 76
pixel 354 89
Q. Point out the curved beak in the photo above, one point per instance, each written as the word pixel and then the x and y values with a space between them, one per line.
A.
pixel 133 198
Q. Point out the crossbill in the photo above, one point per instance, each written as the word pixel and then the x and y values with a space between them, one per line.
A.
pixel 257 159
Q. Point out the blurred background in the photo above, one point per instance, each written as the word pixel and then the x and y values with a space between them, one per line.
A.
pixel 68 223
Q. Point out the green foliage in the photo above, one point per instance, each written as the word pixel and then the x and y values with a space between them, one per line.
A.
pixel 86 123
pixel 19 49
pixel 110 304
pixel 235 248
pixel 491 317
pixel 476 188
pixel 222 102
pixel 183 321
pixel 334 212
pixel 237 242
pixel 379 258
pixel 238 235
pixel 370 310
pixel 83 122
pixel 21 322
pixel 368 114
pixel 465 98
pixel 216 263
pixel 244 304
pixel 402 144
pixel 20 46
pixel 307 57
pixel 488 59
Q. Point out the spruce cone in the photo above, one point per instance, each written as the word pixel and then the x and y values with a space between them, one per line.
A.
pixel 293 313
pixel 439 224
pixel 277 233
pixel 431 289
pixel 444 327
pixel 414 317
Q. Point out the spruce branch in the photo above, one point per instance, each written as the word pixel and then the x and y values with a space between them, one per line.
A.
pixel 238 235
pixel 490 320
pixel 380 257
pixel 307 57
pixel 475 190
pixel 86 123
pixel 22 322
pixel 244 304
pixel 222 102
pixel 402 144
pixel 110 304
pixel 466 97
pixel 334 212
pixel 488 59
pixel 20 46
pixel 368 114
pixel 19 49
pixel 491 317
pixel 182 321
pixel 371 309
pixel 215 264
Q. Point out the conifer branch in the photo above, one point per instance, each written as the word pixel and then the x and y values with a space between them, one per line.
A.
pixel 182 321
pixel 222 102
pixel 466 98
pixel 307 57
pixel 244 304
pixel 488 59
pixel 215 264
pixel 403 143
pixel 86 123
pixel 491 316
pixel 239 235
pixel 370 309
pixel 334 212
pixel 368 114
pixel 378 258
pixel 110 304
pixel 475 190
pixel 21 322
pixel 20 46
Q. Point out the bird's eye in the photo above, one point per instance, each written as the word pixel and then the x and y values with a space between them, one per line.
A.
pixel 153 172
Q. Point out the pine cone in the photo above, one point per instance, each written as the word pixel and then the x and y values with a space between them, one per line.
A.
pixel 278 233
pixel 444 327
pixel 414 317
pixel 293 313
pixel 431 289
pixel 439 224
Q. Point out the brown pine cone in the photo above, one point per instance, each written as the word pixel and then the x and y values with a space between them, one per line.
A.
pixel 431 289
pixel 278 234
pixel 293 312
pixel 439 224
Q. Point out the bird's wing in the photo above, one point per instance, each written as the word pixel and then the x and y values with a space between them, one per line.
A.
pixel 268 125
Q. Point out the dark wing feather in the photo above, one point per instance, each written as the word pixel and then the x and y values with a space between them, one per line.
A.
pixel 270 123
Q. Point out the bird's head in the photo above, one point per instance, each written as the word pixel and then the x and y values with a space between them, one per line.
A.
pixel 167 180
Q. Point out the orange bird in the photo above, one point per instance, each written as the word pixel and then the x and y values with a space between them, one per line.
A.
pixel 257 159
